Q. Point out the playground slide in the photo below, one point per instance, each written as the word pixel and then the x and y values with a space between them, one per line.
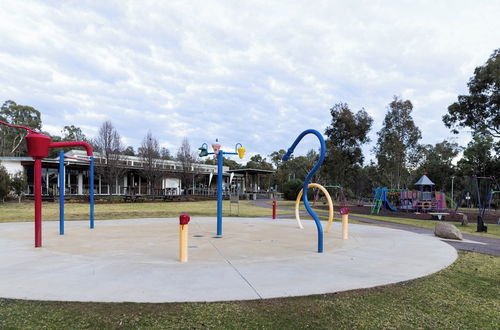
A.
pixel 389 206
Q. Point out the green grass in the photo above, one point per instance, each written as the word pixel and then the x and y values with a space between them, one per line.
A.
pixel 463 296
pixel 14 212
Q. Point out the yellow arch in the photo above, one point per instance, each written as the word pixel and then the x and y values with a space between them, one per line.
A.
pixel 328 198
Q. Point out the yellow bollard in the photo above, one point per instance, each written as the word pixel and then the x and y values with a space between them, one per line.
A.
pixel 345 220
pixel 183 237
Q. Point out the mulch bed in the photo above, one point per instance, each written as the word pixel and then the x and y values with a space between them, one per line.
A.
pixel 471 216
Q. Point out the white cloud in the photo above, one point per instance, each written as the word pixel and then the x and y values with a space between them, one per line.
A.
pixel 252 72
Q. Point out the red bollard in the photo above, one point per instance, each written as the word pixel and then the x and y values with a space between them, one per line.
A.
pixel 274 209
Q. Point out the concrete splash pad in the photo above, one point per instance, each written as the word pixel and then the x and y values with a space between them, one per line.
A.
pixel 137 260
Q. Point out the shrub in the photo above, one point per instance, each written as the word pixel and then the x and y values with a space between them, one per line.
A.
pixel 4 183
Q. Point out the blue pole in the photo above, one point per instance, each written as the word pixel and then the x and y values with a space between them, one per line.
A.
pixel 220 158
pixel 91 197
pixel 309 177
pixel 61 192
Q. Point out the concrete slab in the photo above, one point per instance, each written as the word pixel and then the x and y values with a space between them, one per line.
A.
pixel 137 260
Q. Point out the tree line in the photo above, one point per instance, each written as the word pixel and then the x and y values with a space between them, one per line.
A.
pixel 400 157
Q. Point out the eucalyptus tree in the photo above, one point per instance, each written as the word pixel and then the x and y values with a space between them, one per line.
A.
pixel 346 134
pixel 480 110
pixel 398 149
pixel 12 140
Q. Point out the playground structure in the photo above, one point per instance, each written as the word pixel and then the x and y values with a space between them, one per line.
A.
pixel 381 201
pixel 422 200
pixel 240 151
pixel 38 146
pixel 494 191
pixel 344 211
pixel 133 258
pixel 309 176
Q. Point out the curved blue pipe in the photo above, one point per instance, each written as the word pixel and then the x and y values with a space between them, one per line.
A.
pixel 309 177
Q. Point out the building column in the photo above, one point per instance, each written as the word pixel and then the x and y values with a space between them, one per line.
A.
pixel 80 183
pixel 68 181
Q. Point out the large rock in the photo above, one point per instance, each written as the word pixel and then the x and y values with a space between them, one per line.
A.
pixel 447 230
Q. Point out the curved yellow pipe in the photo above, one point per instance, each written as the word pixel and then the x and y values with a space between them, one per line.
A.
pixel 328 198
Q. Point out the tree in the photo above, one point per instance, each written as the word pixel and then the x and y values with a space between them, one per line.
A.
pixel 4 183
pixel 258 162
pixel 18 184
pixel 282 173
pixel 129 151
pixel 232 164
pixel 165 154
pixel 108 144
pixel 438 163
pixel 478 158
pixel 11 139
pixel 150 153
pixel 68 133
pixel 73 133
pixel 292 188
pixel 397 146
pixel 347 132
pixel 187 158
pixel 480 110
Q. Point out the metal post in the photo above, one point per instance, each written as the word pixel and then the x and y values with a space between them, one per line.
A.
pixel 61 192
pixel 452 200
pixel 91 197
pixel 38 201
pixel 274 209
pixel 220 158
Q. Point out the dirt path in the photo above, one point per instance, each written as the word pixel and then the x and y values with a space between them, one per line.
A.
pixel 480 244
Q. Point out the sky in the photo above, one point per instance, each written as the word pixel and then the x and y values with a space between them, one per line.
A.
pixel 253 72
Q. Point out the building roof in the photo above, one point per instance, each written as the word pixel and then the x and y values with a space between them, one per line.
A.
pixel 424 181
pixel 16 159
pixel 252 171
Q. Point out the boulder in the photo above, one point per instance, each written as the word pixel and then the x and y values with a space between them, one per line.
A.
pixel 447 230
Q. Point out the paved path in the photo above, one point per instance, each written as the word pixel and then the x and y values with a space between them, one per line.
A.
pixel 474 243
pixel 137 260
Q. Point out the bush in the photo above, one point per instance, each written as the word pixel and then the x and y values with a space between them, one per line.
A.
pixel 18 184
pixel 291 189
pixel 4 183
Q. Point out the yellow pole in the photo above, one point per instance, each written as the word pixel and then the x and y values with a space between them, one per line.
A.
pixel 183 246
pixel 345 221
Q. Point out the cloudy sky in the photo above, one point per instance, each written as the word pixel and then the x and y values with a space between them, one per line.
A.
pixel 255 72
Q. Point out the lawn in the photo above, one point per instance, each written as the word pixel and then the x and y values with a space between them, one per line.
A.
pixel 463 296
pixel 14 212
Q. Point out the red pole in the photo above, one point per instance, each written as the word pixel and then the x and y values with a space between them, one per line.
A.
pixel 38 202
pixel 274 209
